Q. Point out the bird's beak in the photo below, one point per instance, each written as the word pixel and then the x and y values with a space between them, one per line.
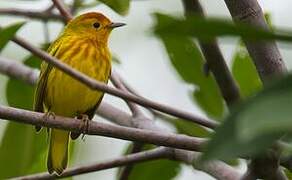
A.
pixel 115 25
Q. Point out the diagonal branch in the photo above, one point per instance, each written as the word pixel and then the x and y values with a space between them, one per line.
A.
pixel 93 84
pixel 125 172
pixel 157 153
pixel 61 7
pixel 215 59
pixel 115 79
pixel 136 112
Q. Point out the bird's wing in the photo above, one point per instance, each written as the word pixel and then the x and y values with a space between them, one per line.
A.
pixel 42 81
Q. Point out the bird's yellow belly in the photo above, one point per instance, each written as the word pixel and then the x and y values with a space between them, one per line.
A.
pixel 69 97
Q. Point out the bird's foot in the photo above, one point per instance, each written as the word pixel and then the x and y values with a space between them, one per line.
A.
pixel 47 116
pixel 83 127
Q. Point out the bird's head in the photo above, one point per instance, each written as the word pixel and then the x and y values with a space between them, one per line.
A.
pixel 92 25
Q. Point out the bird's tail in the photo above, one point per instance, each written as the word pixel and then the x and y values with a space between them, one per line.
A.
pixel 58 151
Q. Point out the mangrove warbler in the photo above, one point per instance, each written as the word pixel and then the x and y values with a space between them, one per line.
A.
pixel 83 46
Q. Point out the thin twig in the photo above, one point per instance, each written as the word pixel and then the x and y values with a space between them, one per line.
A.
pixel 136 112
pixel 126 171
pixel 65 13
pixel 120 117
pixel 93 84
pixel 215 60
pixel 118 84
pixel 128 159
pixel 32 14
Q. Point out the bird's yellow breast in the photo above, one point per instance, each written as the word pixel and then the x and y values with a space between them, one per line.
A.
pixel 66 96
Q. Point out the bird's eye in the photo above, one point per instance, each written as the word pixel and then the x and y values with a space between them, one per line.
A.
pixel 96 25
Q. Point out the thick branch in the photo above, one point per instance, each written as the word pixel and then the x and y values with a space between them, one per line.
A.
pixel 128 159
pixel 119 117
pixel 16 70
pixel 32 14
pixel 265 54
pixel 102 129
pixel 215 59
pixel 93 84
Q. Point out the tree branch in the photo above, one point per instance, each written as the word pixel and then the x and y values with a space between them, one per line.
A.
pixel 136 112
pixel 119 84
pixel 157 153
pixel 119 117
pixel 265 54
pixel 64 12
pixel 32 14
pixel 126 171
pixel 217 169
pixel 19 71
pixel 102 129
pixel 215 59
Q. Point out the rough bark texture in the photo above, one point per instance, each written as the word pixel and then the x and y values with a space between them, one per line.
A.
pixel 265 54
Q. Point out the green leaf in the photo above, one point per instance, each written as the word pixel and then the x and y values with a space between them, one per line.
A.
pixel 208 29
pixel 156 169
pixel 120 6
pixel 256 124
pixel 189 128
pixel 245 73
pixel 116 60
pixel 188 62
pixel 288 173
pixel 22 149
pixel 7 33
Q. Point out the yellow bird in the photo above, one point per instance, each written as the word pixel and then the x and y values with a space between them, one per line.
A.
pixel 83 45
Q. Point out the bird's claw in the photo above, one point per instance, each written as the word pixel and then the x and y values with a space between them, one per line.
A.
pixel 84 125
pixel 46 117
pixel 49 115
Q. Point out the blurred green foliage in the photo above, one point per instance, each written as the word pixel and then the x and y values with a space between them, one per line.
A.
pixel 188 61
pixel 189 128
pixel 254 125
pixel 7 33
pixel 210 28
pixel 160 169
pixel 244 72
pixel 119 6
pixel 21 147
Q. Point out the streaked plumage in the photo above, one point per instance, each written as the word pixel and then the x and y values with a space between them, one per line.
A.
pixel 83 46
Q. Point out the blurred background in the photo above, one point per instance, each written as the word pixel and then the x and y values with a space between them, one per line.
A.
pixel 143 62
